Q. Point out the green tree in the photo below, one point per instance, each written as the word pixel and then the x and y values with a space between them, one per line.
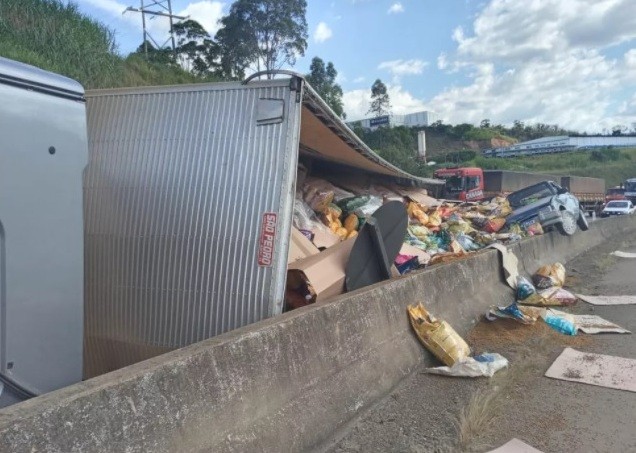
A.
pixel 196 52
pixel 323 79
pixel 485 124
pixel 152 54
pixel 261 34
pixel 380 102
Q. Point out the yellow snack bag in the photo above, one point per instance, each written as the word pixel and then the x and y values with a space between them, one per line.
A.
pixel 437 336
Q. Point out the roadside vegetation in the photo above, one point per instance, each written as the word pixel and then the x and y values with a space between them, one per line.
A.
pixel 56 36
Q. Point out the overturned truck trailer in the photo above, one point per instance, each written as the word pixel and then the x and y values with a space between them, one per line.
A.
pixel 189 195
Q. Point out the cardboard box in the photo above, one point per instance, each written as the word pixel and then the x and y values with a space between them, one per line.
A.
pixel 324 238
pixel 323 272
pixel 418 195
pixel 300 247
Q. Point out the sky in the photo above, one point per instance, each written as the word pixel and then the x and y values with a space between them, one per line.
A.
pixel 565 62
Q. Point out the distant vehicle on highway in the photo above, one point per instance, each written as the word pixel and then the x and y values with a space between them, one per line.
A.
pixel 549 204
pixel 615 193
pixel 618 207
pixel 475 184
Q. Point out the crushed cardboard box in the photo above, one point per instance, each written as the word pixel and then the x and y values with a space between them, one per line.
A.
pixel 300 247
pixel 322 273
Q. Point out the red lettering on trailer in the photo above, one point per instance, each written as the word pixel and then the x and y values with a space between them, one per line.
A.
pixel 267 239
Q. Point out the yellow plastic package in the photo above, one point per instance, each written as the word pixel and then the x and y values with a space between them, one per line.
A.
pixel 437 336
pixel 434 220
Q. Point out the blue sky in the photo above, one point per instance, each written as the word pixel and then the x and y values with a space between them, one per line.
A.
pixel 570 62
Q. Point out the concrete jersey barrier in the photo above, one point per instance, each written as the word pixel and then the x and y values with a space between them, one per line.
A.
pixel 283 384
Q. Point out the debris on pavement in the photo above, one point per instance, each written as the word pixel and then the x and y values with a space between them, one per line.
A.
pixel 620 254
pixel 560 323
pixel 549 276
pixel 482 365
pixel 510 264
pixel 437 336
pixel 557 296
pixel 525 289
pixel 589 324
pixel 515 446
pixel 525 315
pixel 608 300
pixel 594 369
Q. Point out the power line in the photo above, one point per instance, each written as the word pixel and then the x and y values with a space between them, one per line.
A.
pixel 156 8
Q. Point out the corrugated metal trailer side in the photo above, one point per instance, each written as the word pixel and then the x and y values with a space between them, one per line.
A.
pixel 177 188
pixel 189 196
pixel 502 181
pixel 584 185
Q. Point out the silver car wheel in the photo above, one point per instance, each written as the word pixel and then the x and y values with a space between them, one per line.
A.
pixel 568 223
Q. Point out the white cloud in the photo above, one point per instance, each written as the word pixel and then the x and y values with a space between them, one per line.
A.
pixel 207 13
pixel 356 102
pixel 360 79
pixel 442 61
pixel 111 6
pixel 403 67
pixel 543 61
pixel 396 8
pixel 322 33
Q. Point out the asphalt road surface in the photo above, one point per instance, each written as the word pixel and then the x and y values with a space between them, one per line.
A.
pixel 435 413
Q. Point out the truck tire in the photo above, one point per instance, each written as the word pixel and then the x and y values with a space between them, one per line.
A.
pixel 582 222
pixel 567 226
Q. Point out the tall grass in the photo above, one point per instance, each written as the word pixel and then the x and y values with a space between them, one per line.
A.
pixel 54 35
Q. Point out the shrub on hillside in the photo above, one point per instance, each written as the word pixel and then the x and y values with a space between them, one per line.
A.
pixel 605 155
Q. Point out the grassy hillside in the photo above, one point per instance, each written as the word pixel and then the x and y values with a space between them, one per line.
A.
pixel 54 35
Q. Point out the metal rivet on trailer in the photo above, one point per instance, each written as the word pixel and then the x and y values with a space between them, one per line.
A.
pixel 51 150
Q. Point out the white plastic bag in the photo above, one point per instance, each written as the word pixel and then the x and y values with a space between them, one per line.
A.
pixel 483 365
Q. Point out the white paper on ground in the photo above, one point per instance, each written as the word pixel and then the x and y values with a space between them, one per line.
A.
pixel 608 300
pixel 515 446
pixel 623 254
pixel 470 367
pixel 594 369
pixel 590 324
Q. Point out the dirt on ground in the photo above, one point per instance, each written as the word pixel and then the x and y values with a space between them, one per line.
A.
pixel 438 414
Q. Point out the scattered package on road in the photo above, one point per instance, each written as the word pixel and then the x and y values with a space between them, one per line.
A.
pixel 437 336
pixel 590 324
pixel 525 315
pixel 549 276
pixel 515 446
pixel 482 365
pixel 594 369
pixel 551 279
pixel 608 300
pixel 620 254
pixel 563 324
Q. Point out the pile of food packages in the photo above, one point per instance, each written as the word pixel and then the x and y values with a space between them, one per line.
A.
pixel 438 231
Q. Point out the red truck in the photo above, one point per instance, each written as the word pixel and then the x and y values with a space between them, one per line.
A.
pixel 464 184
pixel 615 193
pixel 475 184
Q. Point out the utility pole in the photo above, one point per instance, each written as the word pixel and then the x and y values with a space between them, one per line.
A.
pixel 157 8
